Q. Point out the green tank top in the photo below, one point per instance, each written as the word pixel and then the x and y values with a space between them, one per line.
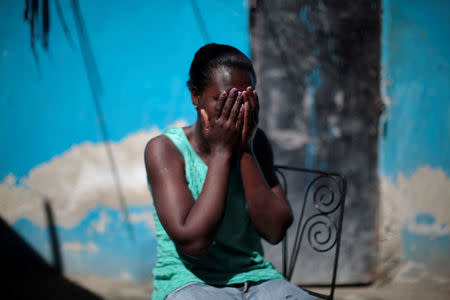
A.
pixel 236 255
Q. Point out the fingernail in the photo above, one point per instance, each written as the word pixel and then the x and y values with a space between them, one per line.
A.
pixel 233 91
pixel 239 95
pixel 223 94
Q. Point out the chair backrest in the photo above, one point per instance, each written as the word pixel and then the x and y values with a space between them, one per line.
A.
pixel 319 221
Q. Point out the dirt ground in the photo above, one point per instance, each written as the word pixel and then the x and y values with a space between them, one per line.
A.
pixel 428 290
pixel 394 291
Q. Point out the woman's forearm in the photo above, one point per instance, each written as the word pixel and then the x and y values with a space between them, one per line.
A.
pixel 269 214
pixel 204 218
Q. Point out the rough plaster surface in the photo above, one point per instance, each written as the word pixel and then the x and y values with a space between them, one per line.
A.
pixel 77 181
pixel 398 290
pixel 317 65
pixel 427 191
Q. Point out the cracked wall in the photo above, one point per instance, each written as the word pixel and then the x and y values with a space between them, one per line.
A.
pixel 317 64
pixel 415 142
pixel 54 146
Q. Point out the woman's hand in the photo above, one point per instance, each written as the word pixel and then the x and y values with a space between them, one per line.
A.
pixel 251 110
pixel 223 130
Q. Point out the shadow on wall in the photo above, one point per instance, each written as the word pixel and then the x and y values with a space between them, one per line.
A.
pixel 27 275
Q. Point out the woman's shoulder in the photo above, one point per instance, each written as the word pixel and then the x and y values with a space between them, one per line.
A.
pixel 162 148
pixel 164 141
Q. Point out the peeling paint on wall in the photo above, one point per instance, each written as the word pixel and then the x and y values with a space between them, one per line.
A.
pixel 416 205
pixel 54 132
pixel 317 64
pixel 415 141
pixel 80 189
pixel 79 180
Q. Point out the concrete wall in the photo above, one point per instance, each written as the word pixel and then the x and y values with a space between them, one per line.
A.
pixel 415 141
pixel 318 69
pixel 53 147
pixel 320 93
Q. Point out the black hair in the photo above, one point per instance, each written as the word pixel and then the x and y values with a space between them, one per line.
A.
pixel 212 56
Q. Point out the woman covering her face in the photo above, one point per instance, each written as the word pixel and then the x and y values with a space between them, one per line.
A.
pixel 215 191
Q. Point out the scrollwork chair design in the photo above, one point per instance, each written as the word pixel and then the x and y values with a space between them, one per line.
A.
pixel 319 221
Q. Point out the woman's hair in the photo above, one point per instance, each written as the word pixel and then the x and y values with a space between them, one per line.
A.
pixel 212 56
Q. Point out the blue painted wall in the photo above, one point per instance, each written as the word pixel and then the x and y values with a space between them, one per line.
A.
pixel 415 142
pixel 416 67
pixel 143 51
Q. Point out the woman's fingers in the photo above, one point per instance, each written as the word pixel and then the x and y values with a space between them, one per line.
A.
pixel 256 99
pixel 240 118
pixel 236 107
pixel 246 122
pixel 220 102
pixel 246 99
pixel 205 119
pixel 229 103
pixel 251 97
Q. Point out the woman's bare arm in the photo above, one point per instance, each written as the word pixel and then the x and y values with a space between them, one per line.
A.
pixel 192 225
pixel 269 209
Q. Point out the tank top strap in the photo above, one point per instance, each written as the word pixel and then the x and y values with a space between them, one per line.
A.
pixel 177 136
pixel 195 168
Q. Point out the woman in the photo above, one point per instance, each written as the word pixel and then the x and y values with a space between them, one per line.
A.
pixel 215 192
